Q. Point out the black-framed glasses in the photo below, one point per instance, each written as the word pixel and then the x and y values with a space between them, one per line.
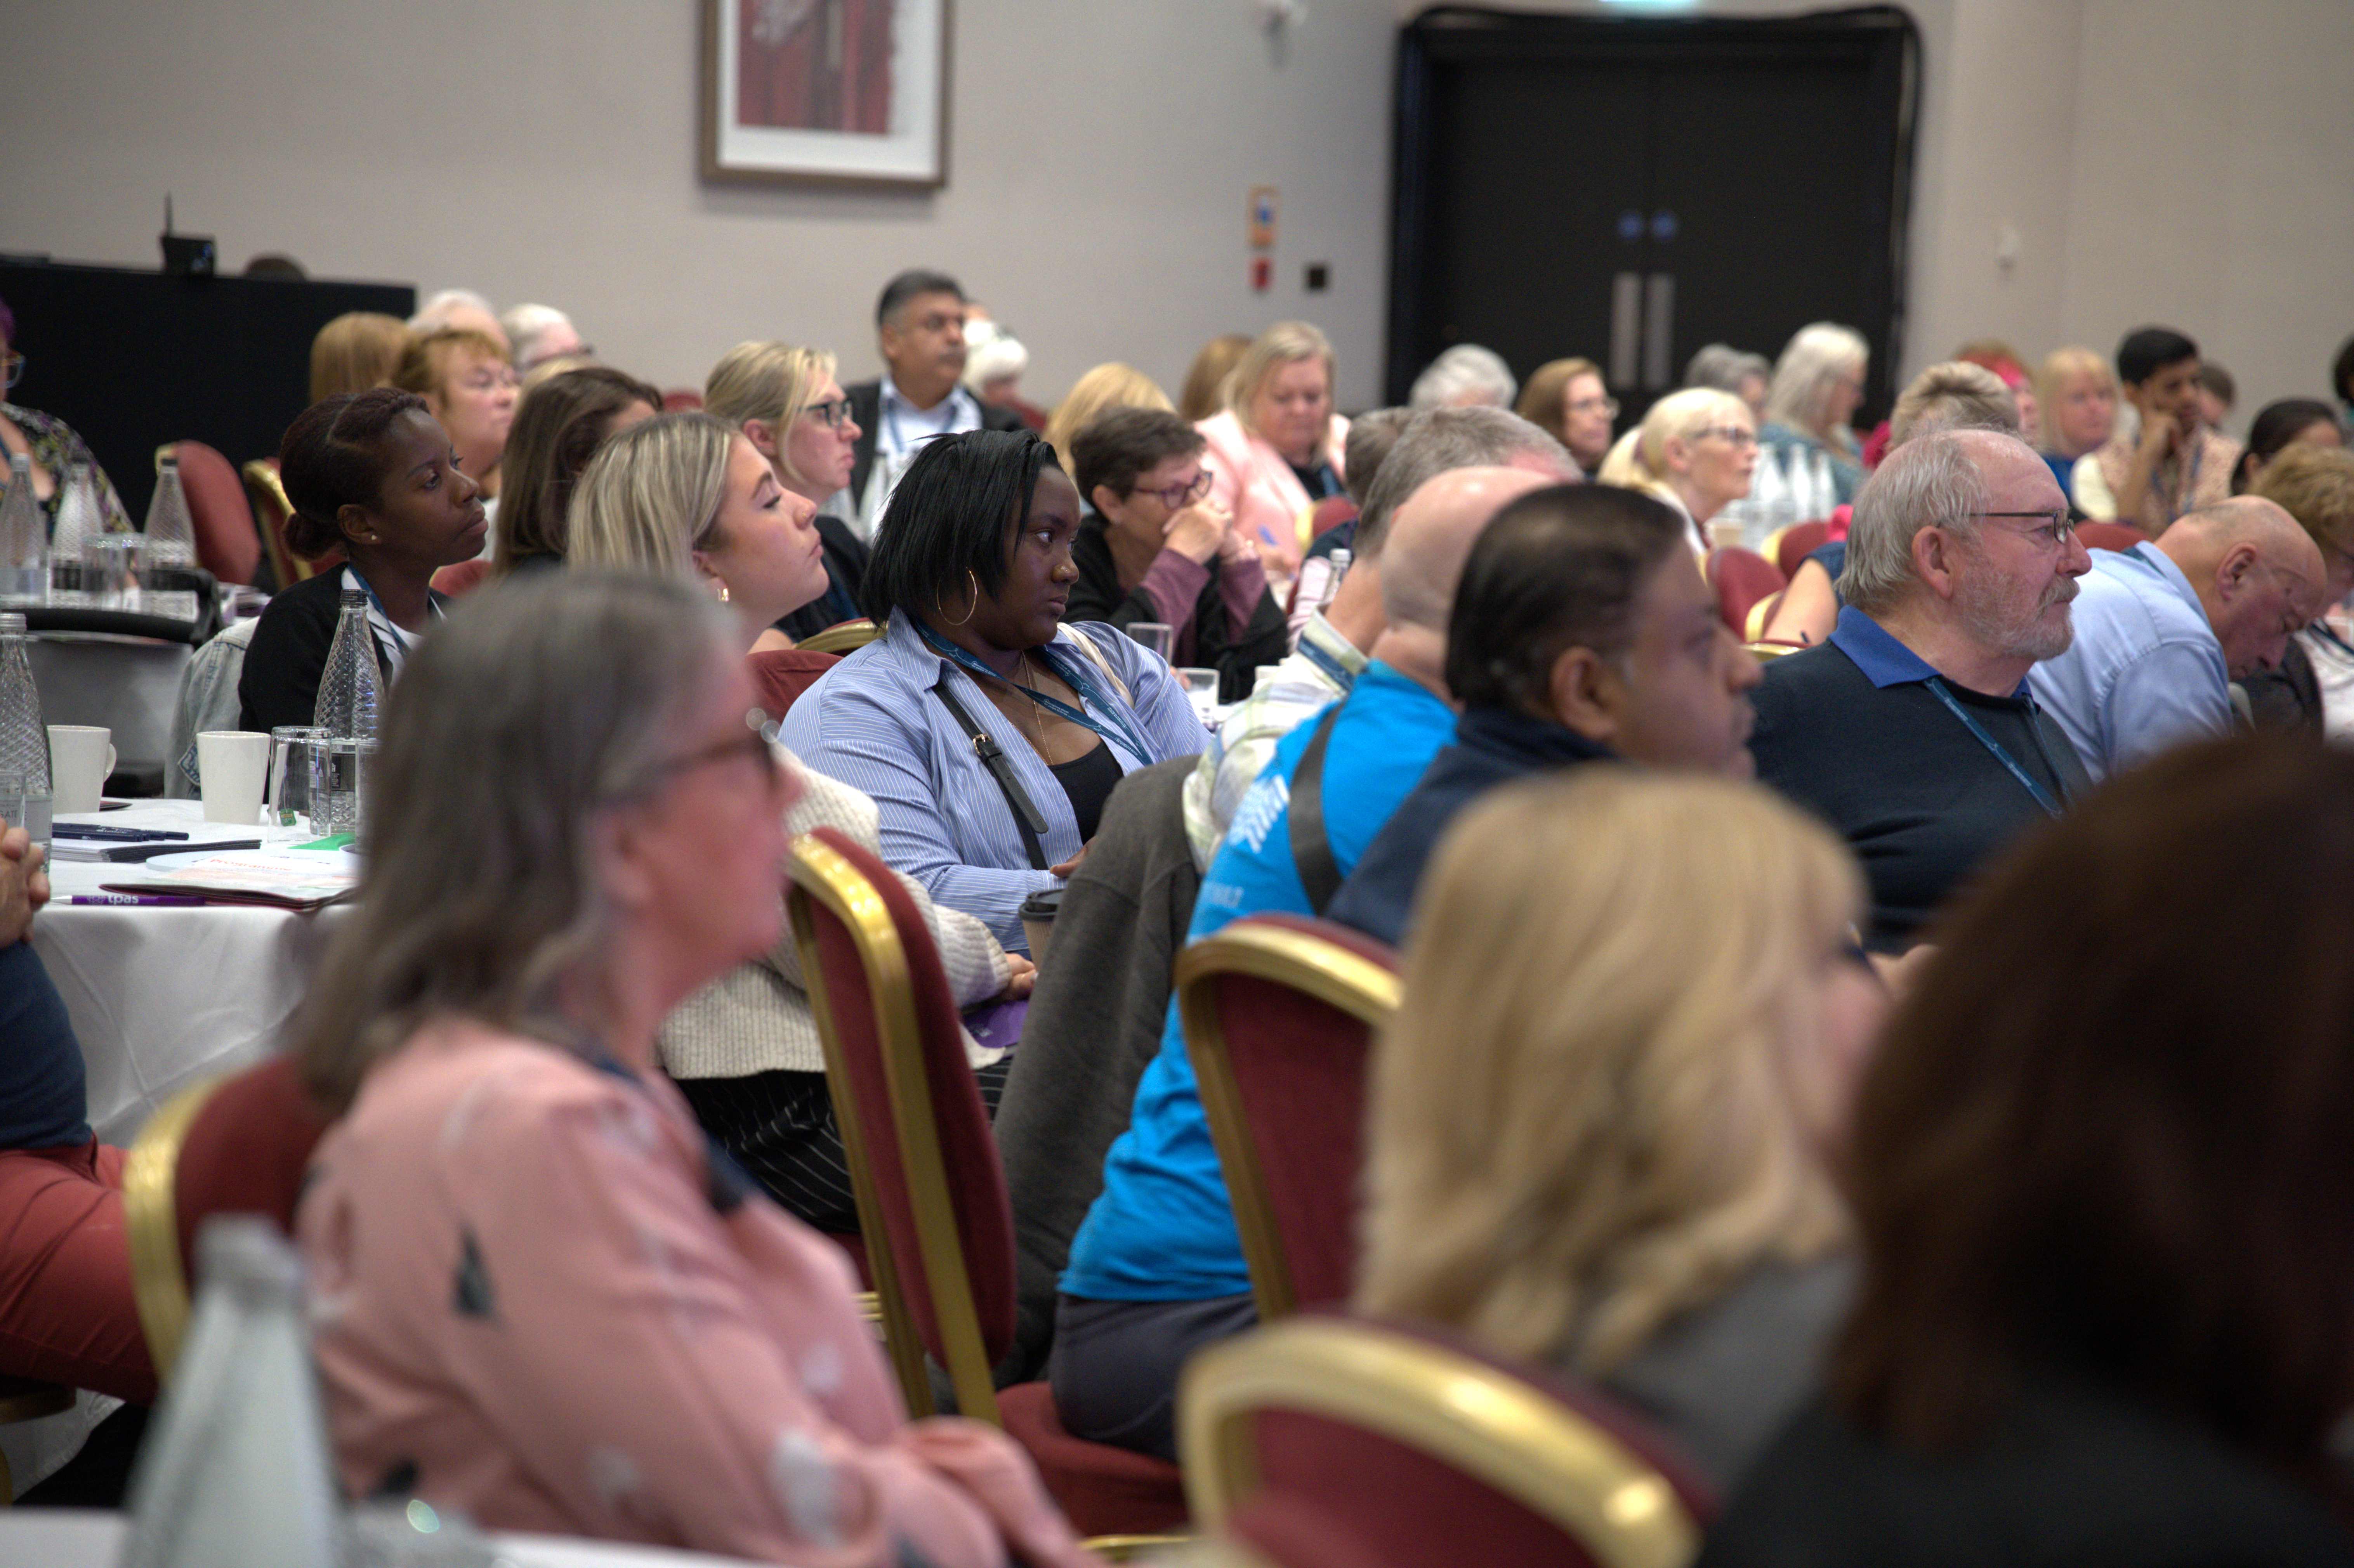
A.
pixel 2054 528
pixel 1178 496
pixel 833 413
pixel 14 368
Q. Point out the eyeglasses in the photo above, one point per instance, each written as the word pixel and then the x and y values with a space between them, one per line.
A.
pixel 1596 404
pixel 1178 496
pixel 833 413
pixel 1732 436
pixel 752 746
pixel 2053 529
pixel 16 369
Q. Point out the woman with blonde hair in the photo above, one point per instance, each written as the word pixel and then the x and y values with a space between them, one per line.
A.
pixel 2077 393
pixel 1602 1120
pixel 1098 393
pixel 684 497
pixel 790 407
pixel 1695 451
pixel 469 386
pixel 1276 450
pixel 356 351
pixel 1817 387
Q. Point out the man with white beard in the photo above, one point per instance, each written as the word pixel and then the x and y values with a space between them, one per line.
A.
pixel 1911 731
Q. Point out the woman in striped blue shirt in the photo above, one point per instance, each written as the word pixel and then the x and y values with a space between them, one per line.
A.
pixel 989 734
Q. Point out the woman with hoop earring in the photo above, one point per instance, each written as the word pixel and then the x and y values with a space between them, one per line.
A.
pixel 989 734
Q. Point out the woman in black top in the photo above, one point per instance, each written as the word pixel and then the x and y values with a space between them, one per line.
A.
pixel 373 472
pixel 1153 550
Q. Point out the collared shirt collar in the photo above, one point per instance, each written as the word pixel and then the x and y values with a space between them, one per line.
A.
pixel 1884 661
pixel 959 408
pixel 1330 651
pixel 2162 566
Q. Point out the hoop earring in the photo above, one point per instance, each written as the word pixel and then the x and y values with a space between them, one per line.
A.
pixel 971 582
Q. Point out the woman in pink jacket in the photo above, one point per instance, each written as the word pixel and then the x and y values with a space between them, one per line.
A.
pixel 541 1295
pixel 1276 450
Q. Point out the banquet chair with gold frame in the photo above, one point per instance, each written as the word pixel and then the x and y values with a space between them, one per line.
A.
pixel 843 637
pixel 238 1143
pixel 1331 1440
pixel 1279 1012
pixel 925 1173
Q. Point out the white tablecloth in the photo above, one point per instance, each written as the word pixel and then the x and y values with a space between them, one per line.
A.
pixel 77 1538
pixel 160 998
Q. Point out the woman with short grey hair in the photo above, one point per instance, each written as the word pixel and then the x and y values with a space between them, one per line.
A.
pixel 1466 375
pixel 1818 385
pixel 542 1295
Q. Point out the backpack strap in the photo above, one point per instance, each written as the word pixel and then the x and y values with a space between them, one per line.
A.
pixel 1026 814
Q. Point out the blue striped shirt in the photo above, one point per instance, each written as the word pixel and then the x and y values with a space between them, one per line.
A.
pixel 874 721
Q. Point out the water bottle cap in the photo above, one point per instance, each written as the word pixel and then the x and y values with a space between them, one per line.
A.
pixel 246 1254
pixel 171 459
pixel 12 623
pixel 354 598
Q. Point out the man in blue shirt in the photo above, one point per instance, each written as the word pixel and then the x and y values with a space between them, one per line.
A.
pixel 1157 1270
pixel 2163 628
pixel 1584 631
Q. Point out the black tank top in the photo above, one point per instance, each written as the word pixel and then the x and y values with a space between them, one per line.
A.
pixel 1088 780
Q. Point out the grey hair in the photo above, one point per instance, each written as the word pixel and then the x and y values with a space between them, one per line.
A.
pixel 434 312
pixel 1724 367
pixel 542 704
pixel 1372 434
pixel 1953 395
pixel 651 496
pixel 1932 479
pixel 1464 369
pixel 525 325
pixel 1443 439
pixel 1811 364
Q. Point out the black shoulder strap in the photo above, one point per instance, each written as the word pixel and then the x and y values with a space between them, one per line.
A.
pixel 1026 814
pixel 1312 849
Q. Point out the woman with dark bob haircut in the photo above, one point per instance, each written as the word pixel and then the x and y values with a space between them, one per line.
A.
pixel 2104 1185
pixel 373 474
pixel 989 734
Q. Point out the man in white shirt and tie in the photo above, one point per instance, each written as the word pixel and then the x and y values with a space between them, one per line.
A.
pixel 919 323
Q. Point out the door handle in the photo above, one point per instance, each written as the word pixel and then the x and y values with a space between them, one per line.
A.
pixel 1626 326
pixel 1659 330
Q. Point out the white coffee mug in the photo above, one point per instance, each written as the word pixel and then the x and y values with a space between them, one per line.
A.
pixel 233 764
pixel 80 761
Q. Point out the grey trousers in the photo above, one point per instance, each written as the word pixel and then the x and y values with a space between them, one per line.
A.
pixel 1114 1364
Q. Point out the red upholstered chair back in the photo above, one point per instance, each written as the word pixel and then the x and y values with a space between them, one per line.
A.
pixel 462 579
pixel 931 1193
pixel 1743 578
pixel 1329 514
pixel 2110 535
pixel 682 400
pixel 781 675
pixel 1327 1442
pixel 229 545
pixel 238 1145
pixel 1279 1012
pixel 1793 544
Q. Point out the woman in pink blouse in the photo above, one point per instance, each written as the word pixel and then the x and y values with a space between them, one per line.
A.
pixel 541 1295
pixel 1276 450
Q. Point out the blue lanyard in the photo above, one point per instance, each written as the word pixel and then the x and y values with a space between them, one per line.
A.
pixel 1089 692
pixel 2042 796
pixel 890 399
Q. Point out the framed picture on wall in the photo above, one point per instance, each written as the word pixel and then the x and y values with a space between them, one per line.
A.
pixel 844 92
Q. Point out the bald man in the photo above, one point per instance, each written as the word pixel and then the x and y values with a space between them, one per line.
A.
pixel 2163 628
pixel 1156 1270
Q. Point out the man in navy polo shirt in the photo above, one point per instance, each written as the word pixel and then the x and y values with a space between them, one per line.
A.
pixel 1911 731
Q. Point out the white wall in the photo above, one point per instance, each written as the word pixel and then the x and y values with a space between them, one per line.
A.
pixel 546 149
pixel 2186 161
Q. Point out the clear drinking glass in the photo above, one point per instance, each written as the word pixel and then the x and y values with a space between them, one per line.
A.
pixel 1201 689
pixel 111 567
pixel 1158 637
pixel 290 745
pixel 339 768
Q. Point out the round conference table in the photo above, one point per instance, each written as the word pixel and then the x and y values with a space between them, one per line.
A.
pixel 162 997
pixel 82 1538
